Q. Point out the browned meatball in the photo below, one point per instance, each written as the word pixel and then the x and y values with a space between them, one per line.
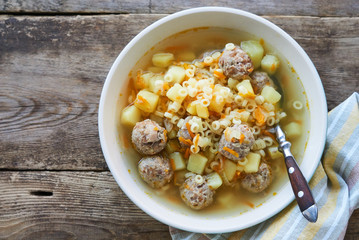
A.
pixel 148 137
pixel 196 195
pixel 235 63
pixel 236 142
pixel 155 170
pixel 257 182
pixel 183 133
pixel 259 80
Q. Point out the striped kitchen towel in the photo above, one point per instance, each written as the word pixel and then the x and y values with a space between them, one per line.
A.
pixel 335 187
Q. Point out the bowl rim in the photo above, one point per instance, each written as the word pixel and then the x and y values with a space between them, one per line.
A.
pixel 154 25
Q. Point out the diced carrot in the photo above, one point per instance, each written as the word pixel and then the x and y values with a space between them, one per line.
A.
pixel 219 74
pixel 259 116
pixel 165 135
pixel 188 126
pixel 234 153
pixel 195 140
pixel 141 100
pixel 272 68
pixel 248 203
pixel 165 86
pixel 241 138
pixel 265 132
pixel 172 162
pixel 185 141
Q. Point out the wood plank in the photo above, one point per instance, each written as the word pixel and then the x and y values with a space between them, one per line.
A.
pixel 78 6
pixel 70 205
pixel 78 205
pixel 51 80
pixel 352 232
pixel 262 7
pixel 323 8
pixel 52 70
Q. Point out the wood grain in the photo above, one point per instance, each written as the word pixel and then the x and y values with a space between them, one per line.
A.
pixel 353 227
pixel 52 70
pixel 80 205
pixel 83 205
pixel 344 8
pixel 262 7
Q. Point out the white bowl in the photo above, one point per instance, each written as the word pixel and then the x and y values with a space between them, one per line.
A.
pixel 116 81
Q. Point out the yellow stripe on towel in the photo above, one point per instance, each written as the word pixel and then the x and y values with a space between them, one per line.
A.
pixel 329 159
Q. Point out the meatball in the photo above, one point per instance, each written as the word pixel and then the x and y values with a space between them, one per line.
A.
pixel 148 137
pixel 257 182
pixel 196 193
pixel 259 80
pixel 155 170
pixel 236 142
pixel 235 63
pixel 183 132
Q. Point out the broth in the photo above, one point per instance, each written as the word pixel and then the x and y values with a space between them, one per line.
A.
pixel 227 200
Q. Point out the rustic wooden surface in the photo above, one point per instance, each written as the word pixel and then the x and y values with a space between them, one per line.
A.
pixel 54 57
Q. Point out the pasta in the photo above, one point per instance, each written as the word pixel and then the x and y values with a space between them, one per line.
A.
pixel 197 103
pixel 297 105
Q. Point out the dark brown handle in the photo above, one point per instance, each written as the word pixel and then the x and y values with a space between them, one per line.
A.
pixel 299 185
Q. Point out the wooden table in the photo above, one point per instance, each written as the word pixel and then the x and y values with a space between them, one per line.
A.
pixel 54 57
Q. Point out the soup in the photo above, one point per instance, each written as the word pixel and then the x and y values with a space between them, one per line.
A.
pixel 183 74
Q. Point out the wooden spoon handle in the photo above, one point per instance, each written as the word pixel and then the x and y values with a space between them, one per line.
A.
pixel 301 190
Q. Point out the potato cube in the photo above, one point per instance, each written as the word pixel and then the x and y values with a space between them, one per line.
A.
pixel 217 102
pixel 162 59
pixel 253 163
pixel 177 93
pixel 172 134
pixel 146 101
pixel 245 88
pixel 270 94
pixel 179 177
pixel 274 153
pixel 196 163
pixel 156 118
pixel 202 111
pixel 172 146
pixel 218 99
pixel 209 155
pixel 142 81
pixel 232 83
pixel 293 130
pixel 270 64
pixel 175 74
pixel 191 108
pixel 255 51
pixel 214 181
pixel 156 69
pixel 177 161
pixel 230 169
pixel 186 56
pixel 130 116
pixel 156 83
pixel 243 116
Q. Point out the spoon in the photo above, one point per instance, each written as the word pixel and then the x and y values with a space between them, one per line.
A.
pixel 299 184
